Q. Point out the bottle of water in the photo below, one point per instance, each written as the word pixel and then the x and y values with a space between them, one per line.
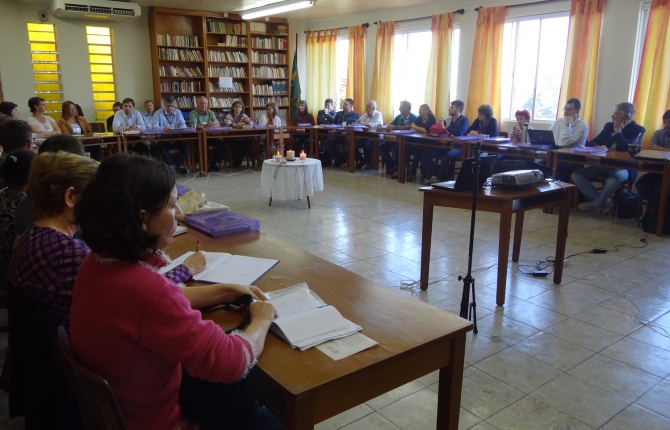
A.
pixel 524 133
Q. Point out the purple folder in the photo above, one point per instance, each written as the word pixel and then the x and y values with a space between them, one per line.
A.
pixel 260 126
pixel 332 126
pixel 219 128
pixel 402 131
pixel 498 140
pixel 470 138
pixel 304 124
pixel 588 150
pixel 222 223
pixel 181 190
pixel 536 146
pixel 183 130
pixel 151 132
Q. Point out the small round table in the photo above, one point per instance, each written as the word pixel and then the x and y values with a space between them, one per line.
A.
pixel 293 180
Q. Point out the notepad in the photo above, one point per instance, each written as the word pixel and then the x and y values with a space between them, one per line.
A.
pixel 304 320
pixel 224 268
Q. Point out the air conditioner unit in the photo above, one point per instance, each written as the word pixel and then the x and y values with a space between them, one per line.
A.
pixel 95 9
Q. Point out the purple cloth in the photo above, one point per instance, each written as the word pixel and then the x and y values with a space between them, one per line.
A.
pixel 218 127
pixel 402 131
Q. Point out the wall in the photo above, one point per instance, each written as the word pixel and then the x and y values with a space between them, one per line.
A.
pixel 133 60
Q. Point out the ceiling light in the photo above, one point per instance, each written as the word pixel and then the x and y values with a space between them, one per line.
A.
pixel 277 8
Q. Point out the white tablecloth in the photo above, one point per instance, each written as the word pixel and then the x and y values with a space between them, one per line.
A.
pixel 291 181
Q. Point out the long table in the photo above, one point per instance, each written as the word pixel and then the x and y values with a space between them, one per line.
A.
pixel 505 202
pixel 192 138
pixel 304 388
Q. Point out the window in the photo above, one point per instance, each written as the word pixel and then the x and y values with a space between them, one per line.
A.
pixel 455 43
pixel 46 68
pixel 341 66
pixel 532 67
pixel 411 56
pixel 101 59
pixel 639 46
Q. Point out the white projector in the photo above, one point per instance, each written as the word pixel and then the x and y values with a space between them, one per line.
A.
pixel 517 178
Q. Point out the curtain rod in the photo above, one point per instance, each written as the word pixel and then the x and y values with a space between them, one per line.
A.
pixel 459 11
pixel 365 24
pixel 527 4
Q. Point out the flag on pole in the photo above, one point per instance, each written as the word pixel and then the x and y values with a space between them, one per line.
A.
pixel 295 83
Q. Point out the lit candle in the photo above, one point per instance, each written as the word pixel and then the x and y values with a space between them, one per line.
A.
pixel 303 156
pixel 290 155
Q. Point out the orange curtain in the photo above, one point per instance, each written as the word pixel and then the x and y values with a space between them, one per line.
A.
pixel 321 68
pixel 652 93
pixel 486 62
pixel 381 74
pixel 581 59
pixel 356 68
pixel 439 76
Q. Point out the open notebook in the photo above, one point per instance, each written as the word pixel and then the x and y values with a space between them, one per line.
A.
pixel 224 268
pixel 304 320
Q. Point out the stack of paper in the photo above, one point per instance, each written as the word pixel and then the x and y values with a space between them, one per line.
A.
pixel 224 268
pixel 304 320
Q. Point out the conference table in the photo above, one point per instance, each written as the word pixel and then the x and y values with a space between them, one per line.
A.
pixel 506 202
pixel 303 388
pixel 188 135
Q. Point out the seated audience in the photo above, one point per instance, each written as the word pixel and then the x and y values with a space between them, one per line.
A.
pixel 128 119
pixel 238 146
pixel 372 118
pixel 569 131
pixel 301 140
pixel 389 149
pixel 270 116
pixel 110 121
pixel 649 184
pixel 72 123
pixel 457 125
pixel 149 114
pixel 616 136
pixel 10 109
pixel 345 117
pixel 327 114
pixel 15 174
pixel 167 118
pixel 14 135
pixel 204 116
pixel 140 331
pixel 422 124
pixel 485 124
pixel 42 125
pixel 522 118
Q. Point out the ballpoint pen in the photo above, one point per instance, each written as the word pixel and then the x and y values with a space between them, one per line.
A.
pixel 197 245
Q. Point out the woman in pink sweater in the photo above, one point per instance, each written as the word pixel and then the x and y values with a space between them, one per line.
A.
pixel 137 329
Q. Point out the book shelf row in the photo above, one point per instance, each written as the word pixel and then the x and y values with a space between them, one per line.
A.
pixel 173 40
pixel 277 87
pixel 182 87
pixel 226 27
pixel 172 54
pixel 227 56
pixel 235 72
pixel 262 101
pixel 180 72
pixel 237 88
pixel 269 72
pixel 232 42
pixel 269 43
pixel 268 57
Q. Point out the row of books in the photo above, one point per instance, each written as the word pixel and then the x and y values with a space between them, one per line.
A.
pixel 186 72
pixel 179 54
pixel 269 42
pixel 261 27
pixel 269 72
pixel 258 27
pixel 184 102
pixel 262 101
pixel 258 113
pixel 228 56
pixel 222 102
pixel 237 88
pixel 233 41
pixel 235 72
pixel 173 40
pixel 268 57
pixel 227 27
pixel 277 87
pixel 181 87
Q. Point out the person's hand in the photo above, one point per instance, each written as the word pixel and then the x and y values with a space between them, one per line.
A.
pixel 618 123
pixel 656 147
pixel 473 133
pixel 212 124
pixel 390 127
pixel 262 311
pixel 134 127
pixel 602 147
pixel 516 132
pixel 196 263
pixel 568 119
pixel 166 128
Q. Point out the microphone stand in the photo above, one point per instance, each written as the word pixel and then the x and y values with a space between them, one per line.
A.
pixel 469 310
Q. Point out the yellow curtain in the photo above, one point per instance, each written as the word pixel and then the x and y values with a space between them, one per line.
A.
pixel 381 75
pixel 652 93
pixel 356 68
pixel 439 76
pixel 581 59
pixel 321 68
pixel 486 62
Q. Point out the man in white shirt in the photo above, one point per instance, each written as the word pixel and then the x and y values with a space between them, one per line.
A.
pixel 167 118
pixel 149 114
pixel 569 131
pixel 128 119
pixel 372 118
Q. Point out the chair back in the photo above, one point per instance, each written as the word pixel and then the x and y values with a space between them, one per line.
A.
pixel 97 404
pixel 97 127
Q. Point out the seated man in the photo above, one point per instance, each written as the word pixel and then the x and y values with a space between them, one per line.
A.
pixel 457 125
pixel 14 134
pixel 167 118
pixel 616 136
pixel 649 184
pixel 346 117
pixel 373 118
pixel 201 115
pixel 389 149
pixel 569 131
pixel 149 114
pixel 115 107
pixel 129 119
pixel 327 114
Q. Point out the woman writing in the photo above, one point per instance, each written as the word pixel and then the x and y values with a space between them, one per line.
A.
pixel 237 146
pixel 302 117
pixel 137 329
pixel 522 118
pixel 422 124
pixel 41 124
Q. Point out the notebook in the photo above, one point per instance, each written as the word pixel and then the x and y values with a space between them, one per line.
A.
pixel 541 137
pixel 652 154
pixel 224 268
pixel 465 178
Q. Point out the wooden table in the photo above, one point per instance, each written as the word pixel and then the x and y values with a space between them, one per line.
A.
pixel 109 139
pixel 510 149
pixel 622 160
pixel 254 133
pixel 294 129
pixel 505 202
pixel 191 137
pixel 425 140
pixel 304 388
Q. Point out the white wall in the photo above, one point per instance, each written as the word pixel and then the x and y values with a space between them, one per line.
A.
pixel 133 60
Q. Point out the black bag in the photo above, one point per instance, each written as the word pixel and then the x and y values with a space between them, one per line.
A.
pixel 649 219
pixel 626 207
pixel 326 161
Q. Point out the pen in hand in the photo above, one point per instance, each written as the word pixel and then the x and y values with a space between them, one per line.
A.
pixel 197 245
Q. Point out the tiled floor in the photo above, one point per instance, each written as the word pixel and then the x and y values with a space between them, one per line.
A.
pixel 591 353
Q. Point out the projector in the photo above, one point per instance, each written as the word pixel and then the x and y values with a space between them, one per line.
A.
pixel 517 178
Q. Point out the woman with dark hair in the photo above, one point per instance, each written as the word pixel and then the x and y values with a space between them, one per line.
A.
pixel 41 124
pixel 522 118
pixel 423 123
pixel 238 146
pixel 485 124
pixel 71 122
pixel 10 109
pixel 301 140
pixel 138 330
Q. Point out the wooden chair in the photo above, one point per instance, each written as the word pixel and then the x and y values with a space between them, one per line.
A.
pixel 97 405
pixel 97 127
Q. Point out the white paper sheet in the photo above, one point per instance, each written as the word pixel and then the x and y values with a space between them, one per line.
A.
pixel 346 346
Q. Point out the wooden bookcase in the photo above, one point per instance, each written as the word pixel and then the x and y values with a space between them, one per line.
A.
pixel 253 53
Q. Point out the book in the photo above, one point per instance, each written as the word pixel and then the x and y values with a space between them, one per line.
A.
pixel 304 320
pixel 224 268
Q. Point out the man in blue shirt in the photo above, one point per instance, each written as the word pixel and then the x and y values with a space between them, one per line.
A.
pixel 149 114
pixel 389 150
pixel 167 118
pixel 457 125
pixel 128 119
pixel 345 117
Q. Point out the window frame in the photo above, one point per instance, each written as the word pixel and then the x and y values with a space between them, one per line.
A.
pixel 642 22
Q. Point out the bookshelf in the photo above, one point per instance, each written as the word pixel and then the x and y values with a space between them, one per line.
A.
pixel 190 50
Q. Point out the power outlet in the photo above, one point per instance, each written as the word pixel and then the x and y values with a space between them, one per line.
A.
pixel 43 16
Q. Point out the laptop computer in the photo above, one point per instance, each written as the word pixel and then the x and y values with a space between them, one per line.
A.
pixel 541 137
pixel 652 154
pixel 466 177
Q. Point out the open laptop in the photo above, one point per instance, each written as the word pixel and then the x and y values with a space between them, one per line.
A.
pixel 651 154
pixel 466 177
pixel 541 137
